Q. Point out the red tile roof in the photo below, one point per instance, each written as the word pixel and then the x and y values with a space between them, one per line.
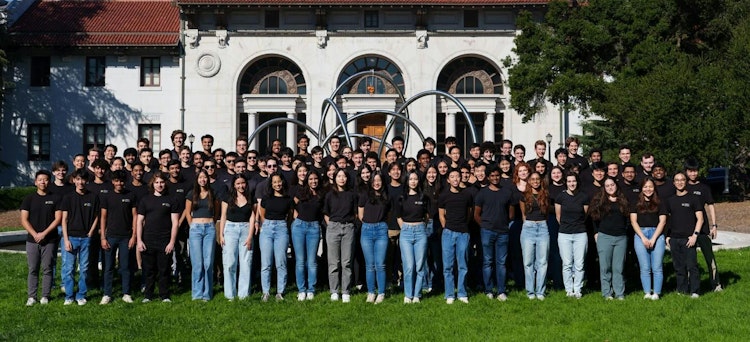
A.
pixel 363 3
pixel 98 23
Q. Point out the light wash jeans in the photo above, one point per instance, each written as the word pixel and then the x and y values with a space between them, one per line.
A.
pixel 201 242
pixel 535 246
pixel 305 238
pixel 274 240
pixel 573 252
pixel 650 260
pixel 494 254
pixel 413 244
pixel 81 252
pixel 374 242
pixel 455 250
pixel 235 234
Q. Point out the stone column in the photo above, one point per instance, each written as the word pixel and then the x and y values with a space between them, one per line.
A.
pixel 291 132
pixel 352 128
pixel 392 132
pixel 489 126
pixel 252 124
pixel 450 125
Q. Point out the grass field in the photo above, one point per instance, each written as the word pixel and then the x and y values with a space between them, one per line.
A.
pixel 715 316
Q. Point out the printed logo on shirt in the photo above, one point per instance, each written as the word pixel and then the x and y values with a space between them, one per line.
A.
pixel 697 192
pixel 126 200
pixel 686 205
pixel 180 190
pixel 103 191
pixel 166 205
pixel 49 202
pixel 418 203
pixel 88 204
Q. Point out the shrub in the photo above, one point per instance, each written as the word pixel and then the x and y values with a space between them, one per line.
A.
pixel 11 198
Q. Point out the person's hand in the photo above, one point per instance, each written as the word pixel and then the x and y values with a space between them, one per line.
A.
pixel 105 244
pixel 131 243
pixel 169 248
pixel 141 246
pixel 713 233
pixel 667 241
pixel 596 237
pixel 646 242
pixel 691 241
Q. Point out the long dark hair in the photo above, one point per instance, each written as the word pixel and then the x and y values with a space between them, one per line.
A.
pixel 296 180
pixel 197 190
pixel 306 193
pixel 381 196
pixel 363 185
pixel 542 197
pixel 335 187
pixel 269 186
pixel 600 204
pixel 648 204
pixel 233 192
pixel 405 193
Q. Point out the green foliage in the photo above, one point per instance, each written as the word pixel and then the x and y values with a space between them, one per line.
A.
pixel 668 77
pixel 11 198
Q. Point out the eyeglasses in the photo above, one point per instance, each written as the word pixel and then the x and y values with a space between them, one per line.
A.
pixel 228 161
pixel 272 165
pixel 252 157
pixel 209 167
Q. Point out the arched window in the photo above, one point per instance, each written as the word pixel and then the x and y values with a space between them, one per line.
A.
pixel 378 65
pixel 371 85
pixel 272 85
pixel 469 85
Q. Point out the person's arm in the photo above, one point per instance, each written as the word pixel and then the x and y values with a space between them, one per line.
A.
pixel 26 224
pixel 698 225
pixel 93 227
pixel 139 232
pixel 188 212
pixel 712 220
pixel 558 211
pixel 638 232
pixel 133 237
pixel 478 215
pixel 522 205
pixel 173 237
pixel 296 202
pixel 441 215
pixel 68 246
pixel 261 216
pixel 659 229
pixel 103 229
pixel 223 222
pixel 361 214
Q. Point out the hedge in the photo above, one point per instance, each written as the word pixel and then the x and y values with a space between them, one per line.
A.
pixel 11 198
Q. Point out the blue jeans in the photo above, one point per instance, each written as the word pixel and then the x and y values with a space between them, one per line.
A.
pixel 374 242
pixel 80 250
pixel 235 234
pixel 274 240
pixel 573 252
pixel 118 246
pixel 434 266
pixel 535 246
pixel 455 250
pixel 650 260
pixel 201 242
pixel 305 238
pixel 413 243
pixel 494 253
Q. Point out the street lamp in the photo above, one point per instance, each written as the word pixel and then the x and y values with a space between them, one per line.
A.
pixel 191 139
pixel 549 146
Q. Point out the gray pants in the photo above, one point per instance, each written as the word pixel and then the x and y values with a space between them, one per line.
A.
pixel 40 256
pixel 340 242
pixel 611 263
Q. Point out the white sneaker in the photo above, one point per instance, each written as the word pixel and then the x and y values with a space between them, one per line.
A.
pixel 609 298
pixel 44 301
pixel 415 300
pixel 577 295
pixel 301 296
pixel 68 302
pixel 654 296
pixel 82 301
pixel 30 301
pixel 145 300
pixel 531 296
pixel 647 296
pixel 105 300
pixel 166 300
pixel 345 298
pixel 334 297
pixel 694 295
pixel 127 299
pixel 279 297
pixel 449 301
pixel 370 298
pixel 570 294
pixel 489 295
pixel 463 300
pixel 502 297
pixel 379 299
pixel 540 297
pixel 310 296
pixel 718 288
pixel 265 297
pixel 407 300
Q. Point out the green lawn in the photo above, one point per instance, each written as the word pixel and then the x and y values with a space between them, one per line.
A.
pixel 10 229
pixel 714 316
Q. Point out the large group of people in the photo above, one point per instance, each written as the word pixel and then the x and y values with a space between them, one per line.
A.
pixel 432 223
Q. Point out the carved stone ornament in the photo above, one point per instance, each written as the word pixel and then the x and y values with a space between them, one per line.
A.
pixel 208 64
pixel 322 36
pixel 191 38
pixel 222 35
pixel 421 39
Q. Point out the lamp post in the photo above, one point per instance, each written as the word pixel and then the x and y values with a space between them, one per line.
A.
pixel 191 139
pixel 549 146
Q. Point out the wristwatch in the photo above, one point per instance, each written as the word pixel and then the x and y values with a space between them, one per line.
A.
pixel 696 233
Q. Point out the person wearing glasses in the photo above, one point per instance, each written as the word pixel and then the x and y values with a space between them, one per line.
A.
pixel 685 223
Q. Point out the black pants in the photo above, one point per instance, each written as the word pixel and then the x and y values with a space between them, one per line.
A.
pixel 685 261
pixel 156 263
pixel 704 242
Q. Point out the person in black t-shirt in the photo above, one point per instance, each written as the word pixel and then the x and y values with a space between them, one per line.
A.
pixel 118 235
pixel 340 209
pixel 306 233
pixel 571 206
pixel 703 192
pixel 685 223
pixel 60 185
pixel 412 212
pixel 454 209
pixel 648 217
pixel 609 213
pixel 156 229
pixel 373 208
pixel 274 212
pixel 535 207
pixel 80 217
pixel 40 216
pixel 236 238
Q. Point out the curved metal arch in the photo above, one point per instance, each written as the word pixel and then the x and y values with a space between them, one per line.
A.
pixel 354 117
pixel 274 121
pixel 472 129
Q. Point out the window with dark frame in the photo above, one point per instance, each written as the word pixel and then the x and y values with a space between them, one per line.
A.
pixel 471 18
pixel 94 135
pixel 40 71
pixel 272 19
pixel 371 19
pixel 152 132
pixel 38 142
pixel 95 68
pixel 150 72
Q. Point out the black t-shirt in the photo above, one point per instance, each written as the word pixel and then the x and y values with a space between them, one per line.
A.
pixel 373 212
pixel 431 192
pixel 179 192
pixel 535 214
pixel 138 191
pixel 666 190
pixel 309 210
pixel 413 208
pixel 82 210
pixel 41 214
pixel 703 192
pixel 277 208
pixel 613 222
pixel 578 160
pixel 261 189
pixel 648 219
pixel 682 211
pixel 572 215
pixel 239 214
pixel 157 212
pixel 119 213
pixel 456 207
pixel 494 205
pixel 61 190
pixel 554 191
pixel 341 206
pixel 99 189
